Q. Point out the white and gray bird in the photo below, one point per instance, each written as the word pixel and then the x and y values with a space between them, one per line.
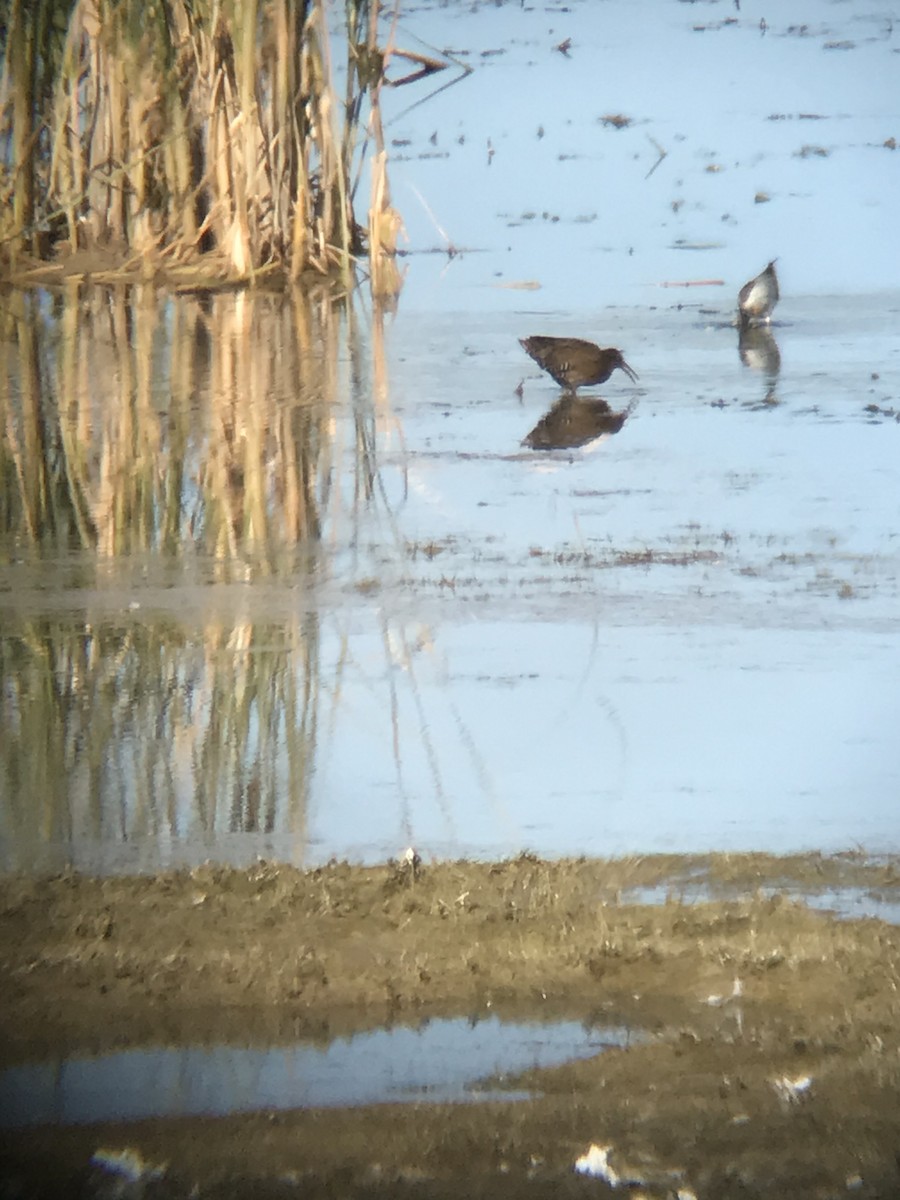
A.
pixel 758 297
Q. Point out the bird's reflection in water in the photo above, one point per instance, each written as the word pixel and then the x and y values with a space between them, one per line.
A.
pixel 575 421
pixel 759 351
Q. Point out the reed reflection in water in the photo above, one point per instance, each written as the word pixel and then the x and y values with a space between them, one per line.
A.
pixel 186 425
pixel 159 447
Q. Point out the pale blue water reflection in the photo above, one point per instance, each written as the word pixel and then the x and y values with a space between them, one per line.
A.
pixel 282 580
pixel 774 144
pixel 438 1062
pixel 683 641
pixel 622 739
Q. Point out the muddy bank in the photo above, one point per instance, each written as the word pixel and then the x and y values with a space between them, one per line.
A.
pixel 768 1065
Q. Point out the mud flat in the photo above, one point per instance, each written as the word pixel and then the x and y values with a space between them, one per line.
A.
pixel 765 1061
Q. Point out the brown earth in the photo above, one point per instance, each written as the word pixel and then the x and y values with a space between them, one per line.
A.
pixel 702 1106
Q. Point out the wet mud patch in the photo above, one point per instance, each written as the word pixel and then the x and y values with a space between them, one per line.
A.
pixel 719 560
pixel 768 1062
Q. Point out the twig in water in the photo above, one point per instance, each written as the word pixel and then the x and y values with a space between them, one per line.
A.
pixel 691 283
pixel 660 151
pixel 451 249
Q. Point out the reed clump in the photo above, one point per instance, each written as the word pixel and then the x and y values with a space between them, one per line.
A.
pixel 199 142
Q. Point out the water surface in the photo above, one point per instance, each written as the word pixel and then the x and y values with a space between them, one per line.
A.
pixel 439 1062
pixel 282 579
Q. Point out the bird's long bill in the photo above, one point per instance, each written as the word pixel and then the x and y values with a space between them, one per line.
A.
pixel 632 375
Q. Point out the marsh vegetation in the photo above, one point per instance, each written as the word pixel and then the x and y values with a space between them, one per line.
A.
pixel 204 143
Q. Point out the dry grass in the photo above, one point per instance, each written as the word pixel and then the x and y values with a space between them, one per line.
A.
pixel 453 935
pixel 200 143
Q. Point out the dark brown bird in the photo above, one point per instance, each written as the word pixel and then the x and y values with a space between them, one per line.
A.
pixel 758 297
pixel 573 362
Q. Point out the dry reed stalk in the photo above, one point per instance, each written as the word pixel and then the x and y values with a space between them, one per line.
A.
pixel 195 133
pixel 385 225
pixel 21 55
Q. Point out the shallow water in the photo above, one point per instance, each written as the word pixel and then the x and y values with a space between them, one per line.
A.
pixel 286 582
pixel 846 903
pixel 773 130
pixel 441 1061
